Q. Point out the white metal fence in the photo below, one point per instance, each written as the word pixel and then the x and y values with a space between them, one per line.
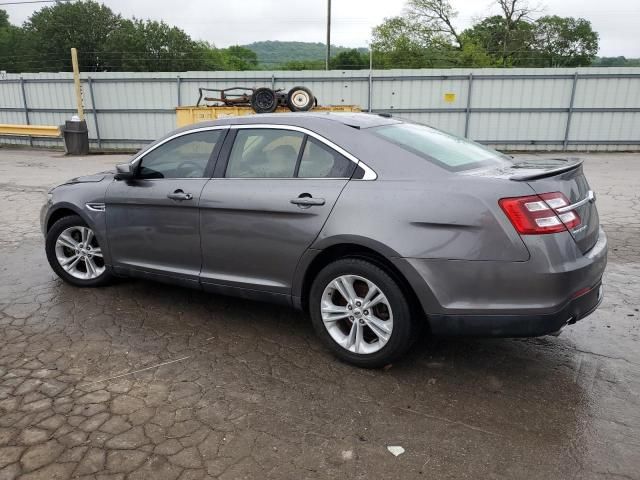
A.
pixel 511 109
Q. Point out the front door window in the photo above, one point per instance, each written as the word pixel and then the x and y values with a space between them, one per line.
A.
pixel 186 156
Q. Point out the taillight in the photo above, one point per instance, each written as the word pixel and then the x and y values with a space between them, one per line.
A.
pixel 536 214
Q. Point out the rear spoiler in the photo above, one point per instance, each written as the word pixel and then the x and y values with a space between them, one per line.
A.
pixel 541 172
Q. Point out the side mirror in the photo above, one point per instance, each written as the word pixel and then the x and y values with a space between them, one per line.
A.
pixel 125 171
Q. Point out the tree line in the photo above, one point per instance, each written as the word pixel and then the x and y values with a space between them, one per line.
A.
pixel 108 42
pixel 425 36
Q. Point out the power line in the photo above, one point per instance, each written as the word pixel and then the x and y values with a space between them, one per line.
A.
pixel 24 2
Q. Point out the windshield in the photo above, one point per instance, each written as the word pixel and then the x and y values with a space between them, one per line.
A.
pixel 451 152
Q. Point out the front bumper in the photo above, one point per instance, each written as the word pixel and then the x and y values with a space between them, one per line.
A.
pixel 44 212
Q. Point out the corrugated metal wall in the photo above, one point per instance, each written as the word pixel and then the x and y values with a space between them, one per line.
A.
pixel 513 109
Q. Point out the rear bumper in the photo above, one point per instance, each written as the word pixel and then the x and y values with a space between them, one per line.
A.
pixel 533 325
pixel 498 298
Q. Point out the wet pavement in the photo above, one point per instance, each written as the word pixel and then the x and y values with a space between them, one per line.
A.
pixel 141 380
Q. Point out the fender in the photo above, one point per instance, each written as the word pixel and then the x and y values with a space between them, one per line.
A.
pixel 423 292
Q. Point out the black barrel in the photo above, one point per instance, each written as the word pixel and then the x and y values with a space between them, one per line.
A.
pixel 76 137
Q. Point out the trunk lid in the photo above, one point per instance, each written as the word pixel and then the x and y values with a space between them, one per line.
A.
pixel 565 176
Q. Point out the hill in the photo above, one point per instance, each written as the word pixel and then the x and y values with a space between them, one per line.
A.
pixel 271 53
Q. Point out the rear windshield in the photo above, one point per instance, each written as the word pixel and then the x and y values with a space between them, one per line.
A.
pixel 451 152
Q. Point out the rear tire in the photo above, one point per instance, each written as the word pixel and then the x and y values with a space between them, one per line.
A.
pixel 300 99
pixel 75 255
pixel 372 328
pixel 264 100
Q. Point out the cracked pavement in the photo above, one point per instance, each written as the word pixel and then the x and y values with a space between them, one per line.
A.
pixel 148 381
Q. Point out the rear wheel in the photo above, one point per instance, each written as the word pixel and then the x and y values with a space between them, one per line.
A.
pixel 300 99
pixel 264 100
pixel 360 313
pixel 74 253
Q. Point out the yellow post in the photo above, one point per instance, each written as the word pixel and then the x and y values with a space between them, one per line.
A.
pixel 76 82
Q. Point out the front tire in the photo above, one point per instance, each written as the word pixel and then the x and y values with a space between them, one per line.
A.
pixel 360 313
pixel 74 253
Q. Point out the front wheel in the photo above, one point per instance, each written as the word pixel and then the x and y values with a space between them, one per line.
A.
pixel 360 313
pixel 74 253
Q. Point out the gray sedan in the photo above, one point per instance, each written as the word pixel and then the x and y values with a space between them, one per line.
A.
pixel 376 227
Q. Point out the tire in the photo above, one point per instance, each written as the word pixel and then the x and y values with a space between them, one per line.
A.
pixel 89 270
pixel 300 99
pixel 376 351
pixel 264 100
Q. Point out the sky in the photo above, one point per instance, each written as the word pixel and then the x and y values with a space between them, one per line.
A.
pixel 238 22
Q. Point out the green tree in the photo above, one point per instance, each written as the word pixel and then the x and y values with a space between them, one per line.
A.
pixel 436 17
pixel 4 19
pixel 399 32
pixel 239 58
pixel 211 57
pixel 616 62
pixel 147 45
pixel 427 37
pixel 565 42
pixel 303 65
pixel 350 60
pixel 507 43
pixel 471 55
pixel 86 25
pixel 400 42
pixel 17 49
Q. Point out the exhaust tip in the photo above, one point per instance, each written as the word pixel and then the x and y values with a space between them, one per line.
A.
pixel 557 333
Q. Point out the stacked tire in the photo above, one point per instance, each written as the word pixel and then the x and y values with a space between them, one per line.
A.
pixel 298 99
pixel 264 100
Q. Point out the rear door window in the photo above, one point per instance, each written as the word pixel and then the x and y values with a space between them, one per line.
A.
pixel 281 153
pixel 320 161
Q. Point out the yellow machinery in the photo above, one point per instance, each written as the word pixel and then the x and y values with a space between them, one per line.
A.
pixel 190 115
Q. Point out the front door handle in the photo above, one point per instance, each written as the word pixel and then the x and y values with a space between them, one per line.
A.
pixel 307 201
pixel 180 195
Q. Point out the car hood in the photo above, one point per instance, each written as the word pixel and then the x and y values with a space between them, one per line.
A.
pixel 94 178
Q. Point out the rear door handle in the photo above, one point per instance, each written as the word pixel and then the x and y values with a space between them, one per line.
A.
pixel 180 195
pixel 307 201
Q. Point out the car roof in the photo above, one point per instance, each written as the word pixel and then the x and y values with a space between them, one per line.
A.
pixel 304 119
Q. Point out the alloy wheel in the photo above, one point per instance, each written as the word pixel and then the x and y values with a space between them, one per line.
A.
pixel 357 314
pixel 79 254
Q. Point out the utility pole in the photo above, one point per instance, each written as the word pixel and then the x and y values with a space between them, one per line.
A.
pixel 370 76
pixel 76 82
pixel 328 34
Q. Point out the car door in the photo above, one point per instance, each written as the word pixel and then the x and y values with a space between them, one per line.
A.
pixel 272 193
pixel 153 222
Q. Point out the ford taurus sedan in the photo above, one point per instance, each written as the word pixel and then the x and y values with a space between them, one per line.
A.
pixel 375 226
